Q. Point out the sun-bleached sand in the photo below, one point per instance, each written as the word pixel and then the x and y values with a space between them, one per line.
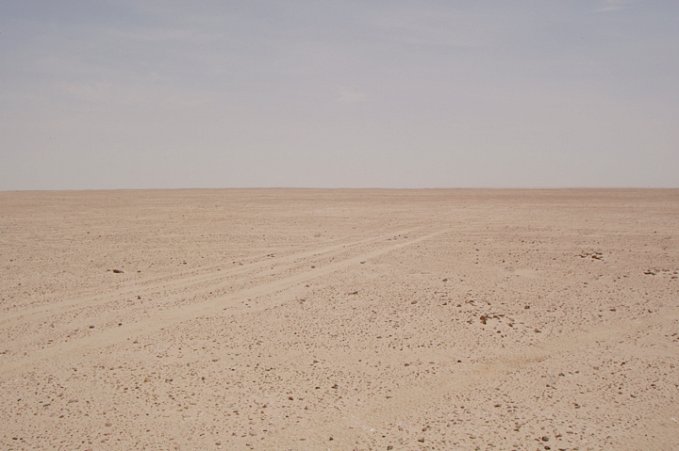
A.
pixel 339 319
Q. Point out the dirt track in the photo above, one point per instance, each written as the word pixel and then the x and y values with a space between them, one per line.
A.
pixel 368 319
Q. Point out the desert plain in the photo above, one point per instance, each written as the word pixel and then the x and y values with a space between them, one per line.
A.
pixel 339 319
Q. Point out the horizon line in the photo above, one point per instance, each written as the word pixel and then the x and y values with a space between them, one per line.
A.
pixel 373 188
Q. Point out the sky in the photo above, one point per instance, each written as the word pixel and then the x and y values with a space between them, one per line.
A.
pixel 397 94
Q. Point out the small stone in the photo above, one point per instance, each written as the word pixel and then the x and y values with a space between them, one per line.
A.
pixel 118 271
pixel 544 438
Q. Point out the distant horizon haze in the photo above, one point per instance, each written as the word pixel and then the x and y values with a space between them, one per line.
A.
pixel 386 94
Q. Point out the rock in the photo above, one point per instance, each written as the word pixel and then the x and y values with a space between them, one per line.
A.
pixel 118 271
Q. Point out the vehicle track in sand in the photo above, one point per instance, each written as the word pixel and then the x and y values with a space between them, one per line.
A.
pixel 159 320
pixel 183 281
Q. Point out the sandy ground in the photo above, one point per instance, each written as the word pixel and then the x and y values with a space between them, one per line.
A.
pixel 305 319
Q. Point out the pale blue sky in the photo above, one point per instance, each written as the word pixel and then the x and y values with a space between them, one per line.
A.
pixel 151 94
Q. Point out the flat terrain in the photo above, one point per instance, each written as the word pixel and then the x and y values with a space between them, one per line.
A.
pixel 339 319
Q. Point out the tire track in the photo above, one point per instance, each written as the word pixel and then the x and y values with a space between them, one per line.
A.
pixel 177 315
pixel 184 283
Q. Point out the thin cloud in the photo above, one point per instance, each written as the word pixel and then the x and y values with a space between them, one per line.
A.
pixel 609 6
pixel 350 96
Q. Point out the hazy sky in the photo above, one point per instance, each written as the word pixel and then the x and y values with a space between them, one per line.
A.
pixel 136 93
